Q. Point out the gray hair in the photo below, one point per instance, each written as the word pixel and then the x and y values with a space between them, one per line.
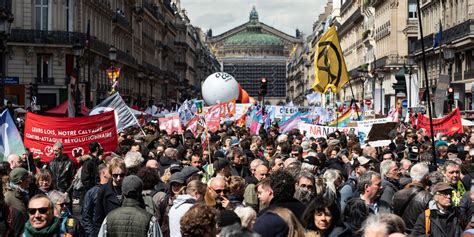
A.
pixel 385 166
pixel 256 163
pixel 12 156
pixel 330 176
pixel 366 179
pixel 246 214
pixel 56 196
pixel 390 223
pixel 419 172
pixel 133 159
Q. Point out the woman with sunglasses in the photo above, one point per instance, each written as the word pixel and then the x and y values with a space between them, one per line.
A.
pixel 70 226
pixel 109 196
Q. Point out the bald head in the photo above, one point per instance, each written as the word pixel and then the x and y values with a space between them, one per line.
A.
pixel 254 164
pixel 152 164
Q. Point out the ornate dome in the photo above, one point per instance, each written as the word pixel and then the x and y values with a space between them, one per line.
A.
pixel 253 38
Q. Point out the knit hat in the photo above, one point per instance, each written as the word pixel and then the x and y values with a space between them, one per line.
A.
pixel 17 175
pixel 132 185
pixel 228 217
pixel 441 143
pixel 270 225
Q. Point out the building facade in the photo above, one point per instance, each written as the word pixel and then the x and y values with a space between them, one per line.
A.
pixel 255 50
pixel 160 60
pixel 454 18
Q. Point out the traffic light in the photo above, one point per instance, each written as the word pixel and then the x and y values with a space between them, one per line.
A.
pixel 263 86
pixel 451 98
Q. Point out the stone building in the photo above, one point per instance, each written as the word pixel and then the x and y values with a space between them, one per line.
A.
pixel 375 36
pixel 255 50
pixel 455 55
pixel 147 34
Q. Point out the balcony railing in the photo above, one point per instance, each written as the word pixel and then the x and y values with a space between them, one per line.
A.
pixel 46 37
pixel 456 32
pixel 121 20
pixel 45 80
pixel 127 58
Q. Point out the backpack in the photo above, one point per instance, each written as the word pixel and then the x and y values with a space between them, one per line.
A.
pixel 150 205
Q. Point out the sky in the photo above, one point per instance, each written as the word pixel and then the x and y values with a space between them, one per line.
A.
pixel 284 15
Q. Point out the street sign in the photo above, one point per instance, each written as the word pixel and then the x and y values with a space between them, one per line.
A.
pixel 417 110
pixel 404 103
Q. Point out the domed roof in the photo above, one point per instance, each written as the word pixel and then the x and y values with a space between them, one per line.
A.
pixel 253 38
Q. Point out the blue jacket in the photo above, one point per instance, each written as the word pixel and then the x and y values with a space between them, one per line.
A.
pixel 88 210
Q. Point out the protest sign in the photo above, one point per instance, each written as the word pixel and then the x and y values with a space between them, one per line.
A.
pixel 285 112
pixel 322 131
pixel 171 124
pixel 41 132
pixel 449 124
pixel 213 118
pixel 365 126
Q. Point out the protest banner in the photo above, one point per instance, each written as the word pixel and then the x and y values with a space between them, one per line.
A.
pixel 365 126
pixel 171 124
pixel 285 112
pixel 449 124
pixel 41 132
pixel 322 131
pixel 213 118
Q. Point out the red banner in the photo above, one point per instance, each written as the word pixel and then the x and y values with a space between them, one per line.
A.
pixel 171 124
pixel 213 118
pixel 449 124
pixel 41 132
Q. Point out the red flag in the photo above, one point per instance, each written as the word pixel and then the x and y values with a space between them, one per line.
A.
pixel 213 118
pixel 171 124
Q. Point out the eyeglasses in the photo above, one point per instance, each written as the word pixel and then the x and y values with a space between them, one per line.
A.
pixel 41 210
pixel 117 175
pixel 445 194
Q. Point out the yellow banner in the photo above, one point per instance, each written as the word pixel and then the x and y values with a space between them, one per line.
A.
pixel 329 65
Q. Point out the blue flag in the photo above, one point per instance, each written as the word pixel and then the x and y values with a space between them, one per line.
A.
pixel 10 139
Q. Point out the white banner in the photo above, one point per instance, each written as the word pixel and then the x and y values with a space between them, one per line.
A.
pixel 323 131
pixel 285 112
pixel 365 126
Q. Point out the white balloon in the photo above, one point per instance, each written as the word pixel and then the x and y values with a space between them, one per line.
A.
pixel 219 87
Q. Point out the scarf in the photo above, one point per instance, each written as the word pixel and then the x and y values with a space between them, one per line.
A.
pixel 51 230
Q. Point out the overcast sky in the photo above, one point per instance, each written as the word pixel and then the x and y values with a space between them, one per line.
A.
pixel 223 15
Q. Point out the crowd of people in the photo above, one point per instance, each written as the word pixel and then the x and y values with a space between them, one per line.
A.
pixel 232 183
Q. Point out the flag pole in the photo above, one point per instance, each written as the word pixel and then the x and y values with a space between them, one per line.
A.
pixel 428 99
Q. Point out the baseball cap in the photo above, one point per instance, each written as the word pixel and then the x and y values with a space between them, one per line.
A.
pixel 442 186
pixel 132 184
pixel 177 178
pixel 17 175
pixel 363 160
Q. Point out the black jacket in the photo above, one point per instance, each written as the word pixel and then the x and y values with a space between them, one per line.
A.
pixel 106 202
pixel 448 224
pixel 389 189
pixel 63 170
pixel 88 210
pixel 89 174
pixel 292 204
pixel 241 171
pixel 409 202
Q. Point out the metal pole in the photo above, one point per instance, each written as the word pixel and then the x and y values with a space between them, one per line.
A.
pixel 381 96
pixel 425 69
pixel 409 88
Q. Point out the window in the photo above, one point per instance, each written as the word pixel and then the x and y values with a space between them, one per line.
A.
pixel 41 11
pixel 44 68
pixel 412 14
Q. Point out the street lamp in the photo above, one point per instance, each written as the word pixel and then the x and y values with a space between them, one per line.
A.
pixel 6 20
pixel 410 63
pixel 448 55
pixel 77 49
pixel 112 72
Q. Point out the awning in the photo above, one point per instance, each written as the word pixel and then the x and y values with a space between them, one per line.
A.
pixel 62 110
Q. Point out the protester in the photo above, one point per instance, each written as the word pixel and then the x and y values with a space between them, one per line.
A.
pixel 70 226
pixel 89 175
pixel 321 217
pixel 41 222
pixel 44 181
pixel 130 218
pixel 370 187
pixel 199 221
pixel 195 191
pixel 62 168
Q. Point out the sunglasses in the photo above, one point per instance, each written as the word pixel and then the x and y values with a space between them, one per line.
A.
pixel 41 210
pixel 117 175
pixel 221 190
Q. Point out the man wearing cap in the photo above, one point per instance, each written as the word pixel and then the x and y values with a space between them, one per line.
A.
pixel 130 219
pixel 62 168
pixel 441 218
pixel 17 194
pixel 349 189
